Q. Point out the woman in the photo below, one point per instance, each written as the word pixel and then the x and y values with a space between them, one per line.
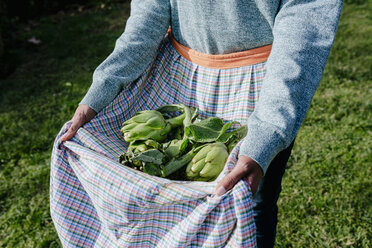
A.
pixel 301 33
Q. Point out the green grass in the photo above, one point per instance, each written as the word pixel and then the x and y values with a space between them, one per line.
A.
pixel 35 101
pixel 327 194
pixel 326 199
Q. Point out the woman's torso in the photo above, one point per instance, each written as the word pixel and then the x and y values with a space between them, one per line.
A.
pixel 223 26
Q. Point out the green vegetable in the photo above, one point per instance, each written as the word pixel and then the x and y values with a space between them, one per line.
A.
pixel 235 136
pixel 153 169
pixel 173 149
pixel 209 130
pixel 148 124
pixel 142 145
pixel 189 114
pixel 208 162
pixel 176 163
pixel 164 140
pixel 141 151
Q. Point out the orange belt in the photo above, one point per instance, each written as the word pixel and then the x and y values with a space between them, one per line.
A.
pixel 222 61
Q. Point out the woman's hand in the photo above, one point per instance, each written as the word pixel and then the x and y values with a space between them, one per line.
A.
pixel 82 115
pixel 245 168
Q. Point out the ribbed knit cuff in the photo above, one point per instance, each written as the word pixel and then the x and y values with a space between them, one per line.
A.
pixel 92 100
pixel 262 146
pixel 101 93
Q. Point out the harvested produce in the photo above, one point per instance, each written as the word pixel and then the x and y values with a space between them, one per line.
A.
pixel 208 163
pixel 148 124
pixel 173 142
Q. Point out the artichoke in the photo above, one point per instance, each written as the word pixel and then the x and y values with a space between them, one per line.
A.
pixel 173 149
pixel 147 124
pixel 163 141
pixel 141 146
pixel 134 149
pixel 208 163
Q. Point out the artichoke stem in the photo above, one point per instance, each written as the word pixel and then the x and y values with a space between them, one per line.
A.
pixel 176 164
pixel 176 121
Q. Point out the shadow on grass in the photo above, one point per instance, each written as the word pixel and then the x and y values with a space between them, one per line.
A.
pixel 71 48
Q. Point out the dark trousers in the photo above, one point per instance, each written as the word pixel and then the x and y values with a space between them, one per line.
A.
pixel 264 201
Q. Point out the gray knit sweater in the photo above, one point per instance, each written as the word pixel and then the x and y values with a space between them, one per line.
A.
pixel 301 31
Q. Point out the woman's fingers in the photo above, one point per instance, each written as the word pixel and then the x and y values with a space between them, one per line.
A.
pixel 76 124
pixel 247 169
pixel 82 115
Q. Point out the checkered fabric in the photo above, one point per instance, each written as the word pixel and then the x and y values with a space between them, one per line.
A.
pixel 97 202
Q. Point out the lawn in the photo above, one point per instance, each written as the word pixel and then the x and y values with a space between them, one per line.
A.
pixel 326 199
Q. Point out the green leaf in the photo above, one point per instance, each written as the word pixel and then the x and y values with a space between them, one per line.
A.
pixel 237 135
pixel 208 130
pixel 225 137
pixel 153 169
pixel 151 156
pixel 176 121
pixel 189 112
pixel 177 163
pixel 169 108
pixel 241 132
pixel 194 115
pixel 184 145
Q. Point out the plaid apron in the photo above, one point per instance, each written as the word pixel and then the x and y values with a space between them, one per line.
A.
pixel 97 202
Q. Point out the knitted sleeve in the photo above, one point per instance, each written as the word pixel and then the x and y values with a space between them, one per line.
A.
pixel 304 32
pixel 134 50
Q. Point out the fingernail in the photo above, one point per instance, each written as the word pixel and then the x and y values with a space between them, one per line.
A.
pixel 220 191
